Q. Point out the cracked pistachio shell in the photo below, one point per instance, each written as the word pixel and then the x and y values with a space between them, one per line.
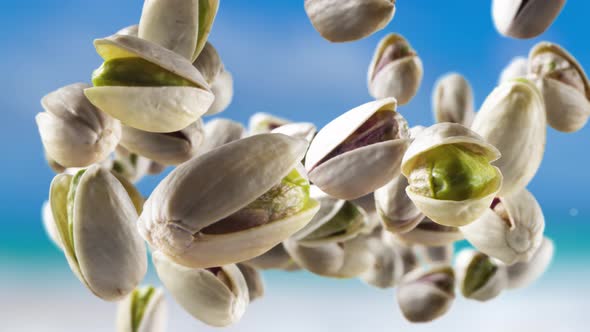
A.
pixel 131 166
pixel 430 233
pixel 425 294
pixel 182 26
pixel 151 108
pixel 397 212
pixel 74 132
pixel 261 123
pixel 517 68
pixel 174 221
pixel 450 212
pixel 349 20
pixel 511 230
pixel 479 276
pixel 512 118
pixel 524 19
pixel 254 281
pixel 436 254
pixel 395 70
pixel 96 219
pixel 144 310
pixel 348 159
pixel 219 132
pixel 304 130
pixel 165 148
pixel 523 274
pixel 217 296
pixel 49 225
pixel 276 258
pixel 565 87
pixel 336 221
pixel 452 100
pixel 348 259
pixel 388 265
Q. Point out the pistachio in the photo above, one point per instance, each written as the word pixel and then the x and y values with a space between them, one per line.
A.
pixel 221 131
pixel 449 173
pixel 261 123
pixel 223 89
pixel 395 209
pixel 209 63
pixel 349 20
pixel 129 165
pixel 512 118
pixel 74 132
pixel 95 219
pixel 254 281
pixel 395 70
pixel 517 68
pixel 524 18
pixel 178 25
pixel 426 294
pixel 221 81
pixel 156 168
pixel 523 274
pixel 49 225
pixel 511 229
pixel 217 296
pixel 143 310
pixel 134 194
pixel 131 30
pixel 480 277
pixel 146 86
pixel 367 202
pixel 304 130
pixel 54 165
pixel 388 265
pixel 436 254
pixel 359 151
pixel 563 84
pixel 269 201
pixel 276 258
pixel 452 100
pixel 430 233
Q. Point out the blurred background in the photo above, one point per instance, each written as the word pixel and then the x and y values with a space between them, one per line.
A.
pixel 282 66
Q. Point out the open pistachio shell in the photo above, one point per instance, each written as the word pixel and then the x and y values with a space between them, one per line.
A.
pixel 235 227
pixel 511 229
pixel 564 85
pixel 49 225
pixel 74 132
pixel 349 20
pixel 512 118
pixel 395 71
pixel 144 310
pixel 95 219
pixel 136 197
pixel 452 212
pixel 261 123
pixel 395 209
pixel 388 265
pixel 524 19
pixel 254 281
pixel 219 132
pixel 517 68
pixel 359 151
pixel 436 254
pixel 523 274
pixel 430 233
pixel 425 294
pixel 217 296
pixel 304 130
pixel 480 277
pixel 165 148
pixel 151 108
pixel 276 258
pixel 452 100
pixel 182 26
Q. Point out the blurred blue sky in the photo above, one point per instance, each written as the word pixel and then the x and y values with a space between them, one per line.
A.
pixel 282 66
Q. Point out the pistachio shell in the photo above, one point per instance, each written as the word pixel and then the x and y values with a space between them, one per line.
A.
pixel 396 211
pixel 261 123
pixel 304 130
pixel 367 202
pixel 131 30
pixel 223 89
pixel 253 280
pixel 517 68
pixel 452 100
pixel 362 170
pixel 512 235
pixel 426 294
pixel 448 212
pixel 480 277
pixel 524 18
pixel 436 254
pixel 49 225
pixel 219 132
pixel 388 265
pixel 103 247
pixel 523 274
pixel 209 63
pixel 276 258
pixel 173 218
pixel 399 78
pixel 153 318
pixel 512 118
pixel 74 132
pixel 179 25
pixel 429 233
pixel 134 194
pixel 165 148
pixel 567 108
pixel 129 165
pixel 203 294
pixel 349 20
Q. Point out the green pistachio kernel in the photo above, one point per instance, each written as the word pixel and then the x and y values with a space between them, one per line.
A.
pixel 135 72
pixel 139 301
pixel 70 199
pixel 479 271
pixel 453 172
pixel 346 220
